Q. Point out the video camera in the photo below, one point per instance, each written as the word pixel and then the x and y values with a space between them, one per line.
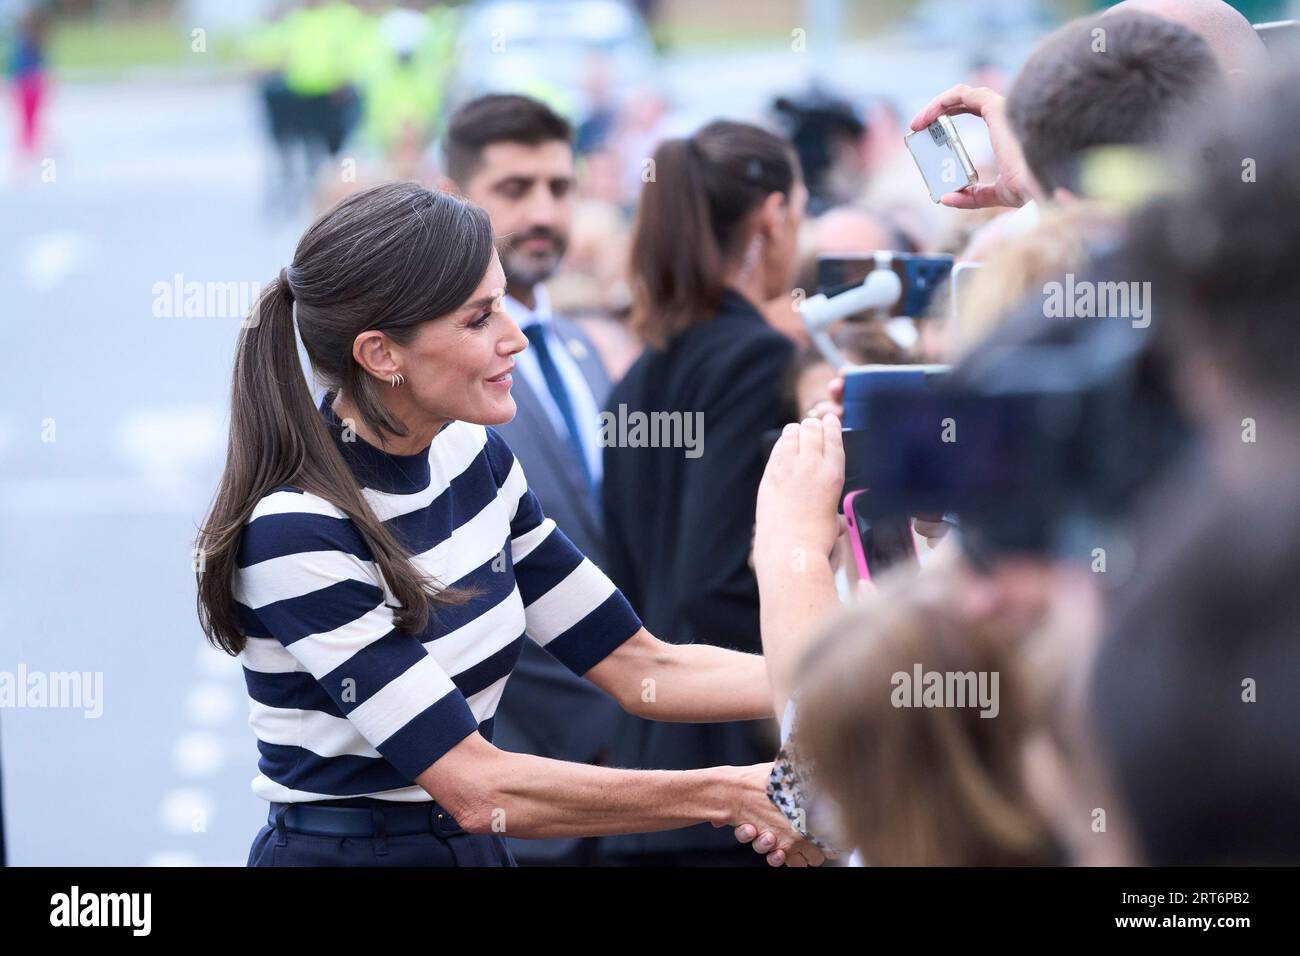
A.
pixel 1038 442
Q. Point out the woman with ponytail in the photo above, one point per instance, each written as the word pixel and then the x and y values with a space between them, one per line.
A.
pixel 714 240
pixel 376 561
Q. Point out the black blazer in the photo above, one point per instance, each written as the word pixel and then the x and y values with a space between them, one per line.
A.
pixel 679 530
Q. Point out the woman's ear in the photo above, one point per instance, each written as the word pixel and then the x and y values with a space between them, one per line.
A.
pixel 374 352
pixel 772 214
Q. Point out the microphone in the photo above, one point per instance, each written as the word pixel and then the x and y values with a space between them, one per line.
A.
pixel 880 289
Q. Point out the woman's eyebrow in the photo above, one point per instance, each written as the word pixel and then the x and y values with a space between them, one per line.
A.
pixel 480 303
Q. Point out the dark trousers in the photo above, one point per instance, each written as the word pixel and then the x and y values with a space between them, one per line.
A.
pixel 443 845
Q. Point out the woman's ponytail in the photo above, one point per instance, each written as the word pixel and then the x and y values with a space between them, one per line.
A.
pixel 676 263
pixel 691 217
pixel 278 436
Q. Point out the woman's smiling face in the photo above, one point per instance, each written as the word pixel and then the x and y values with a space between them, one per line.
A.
pixel 459 366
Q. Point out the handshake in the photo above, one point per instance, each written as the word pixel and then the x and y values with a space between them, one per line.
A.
pixel 766 828
pixel 796 529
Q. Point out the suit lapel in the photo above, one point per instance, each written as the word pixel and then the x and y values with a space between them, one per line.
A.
pixel 555 447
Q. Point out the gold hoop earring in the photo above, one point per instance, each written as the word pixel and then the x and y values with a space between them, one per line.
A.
pixel 397 379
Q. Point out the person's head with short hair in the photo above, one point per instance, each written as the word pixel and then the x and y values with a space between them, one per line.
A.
pixel 1235 43
pixel 1122 80
pixel 854 229
pixel 1221 254
pixel 512 155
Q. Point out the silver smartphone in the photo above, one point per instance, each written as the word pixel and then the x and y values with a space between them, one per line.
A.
pixel 963 274
pixel 942 159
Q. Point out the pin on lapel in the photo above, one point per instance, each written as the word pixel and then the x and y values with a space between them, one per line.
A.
pixel 577 349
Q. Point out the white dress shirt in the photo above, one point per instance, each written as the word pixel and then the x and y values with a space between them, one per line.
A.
pixel 585 411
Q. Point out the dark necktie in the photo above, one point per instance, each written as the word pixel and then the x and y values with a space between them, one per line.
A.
pixel 555 384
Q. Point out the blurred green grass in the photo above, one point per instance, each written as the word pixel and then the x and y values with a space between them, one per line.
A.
pixel 118 45
pixel 689 24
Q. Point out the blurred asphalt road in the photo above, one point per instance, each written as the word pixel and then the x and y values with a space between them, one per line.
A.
pixel 98 523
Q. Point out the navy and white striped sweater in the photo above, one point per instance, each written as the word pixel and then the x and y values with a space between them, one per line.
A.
pixel 342 703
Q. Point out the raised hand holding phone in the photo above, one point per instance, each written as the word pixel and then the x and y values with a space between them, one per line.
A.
pixel 942 158
pixel 1012 186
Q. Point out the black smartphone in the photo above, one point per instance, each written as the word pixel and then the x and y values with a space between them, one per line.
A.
pixel 879 542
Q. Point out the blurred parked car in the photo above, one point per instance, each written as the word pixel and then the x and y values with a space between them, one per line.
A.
pixel 546 48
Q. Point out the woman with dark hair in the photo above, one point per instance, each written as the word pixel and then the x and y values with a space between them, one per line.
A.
pixel 715 239
pixel 377 562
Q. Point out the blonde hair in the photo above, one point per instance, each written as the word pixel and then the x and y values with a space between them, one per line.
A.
pixel 1016 267
pixel 919 786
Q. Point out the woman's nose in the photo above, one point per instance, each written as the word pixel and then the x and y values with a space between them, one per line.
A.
pixel 514 342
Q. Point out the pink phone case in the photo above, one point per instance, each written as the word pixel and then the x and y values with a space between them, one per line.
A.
pixel 855 539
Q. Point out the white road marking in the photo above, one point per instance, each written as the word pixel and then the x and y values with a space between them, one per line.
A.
pixel 217 664
pixel 198 753
pixel 166 443
pixel 186 810
pixel 210 704
pixel 172 858
pixel 49 258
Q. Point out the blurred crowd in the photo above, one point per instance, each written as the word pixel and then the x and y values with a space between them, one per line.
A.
pixel 356 94
pixel 1130 725
pixel 1145 691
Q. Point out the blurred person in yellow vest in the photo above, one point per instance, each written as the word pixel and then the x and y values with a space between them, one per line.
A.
pixel 263 51
pixel 405 83
pixel 324 46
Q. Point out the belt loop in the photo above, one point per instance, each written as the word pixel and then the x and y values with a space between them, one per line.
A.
pixel 447 830
pixel 444 824
pixel 282 836
pixel 381 831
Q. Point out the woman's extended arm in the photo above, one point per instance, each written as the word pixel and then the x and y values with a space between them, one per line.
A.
pixel 797 525
pixel 796 529
pixel 696 683
pixel 494 791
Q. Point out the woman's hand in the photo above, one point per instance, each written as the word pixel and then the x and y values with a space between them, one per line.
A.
pixel 799 493
pixel 795 532
pixel 833 403
pixel 759 823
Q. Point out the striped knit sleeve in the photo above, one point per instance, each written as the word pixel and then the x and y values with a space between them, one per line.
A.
pixel 306 578
pixel 571 608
